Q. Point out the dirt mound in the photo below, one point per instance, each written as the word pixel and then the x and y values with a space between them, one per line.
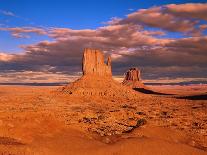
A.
pixel 97 78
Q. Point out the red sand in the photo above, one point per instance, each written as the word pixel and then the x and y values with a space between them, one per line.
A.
pixel 34 121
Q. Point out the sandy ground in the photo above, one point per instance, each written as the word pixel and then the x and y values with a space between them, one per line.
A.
pixel 181 90
pixel 37 121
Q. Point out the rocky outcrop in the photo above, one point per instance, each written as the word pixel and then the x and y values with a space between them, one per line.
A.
pixel 133 74
pixel 133 78
pixel 93 63
pixel 97 79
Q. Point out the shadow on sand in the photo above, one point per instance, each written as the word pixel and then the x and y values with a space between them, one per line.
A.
pixel 147 91
pixel 194 97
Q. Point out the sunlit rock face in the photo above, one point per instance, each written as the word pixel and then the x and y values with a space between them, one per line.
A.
pixel 133 78
pixel 93 63
pixel 97 79
pixel 133 74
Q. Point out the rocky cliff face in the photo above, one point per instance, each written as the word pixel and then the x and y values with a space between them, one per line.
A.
pixel 133 78
pixel 93 63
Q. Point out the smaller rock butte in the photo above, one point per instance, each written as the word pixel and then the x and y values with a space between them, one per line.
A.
pixel 97 78
pixel 133 78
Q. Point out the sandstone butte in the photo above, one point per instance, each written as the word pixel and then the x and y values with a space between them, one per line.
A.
pixel 133 79
pixel 97 78
pixel 93 64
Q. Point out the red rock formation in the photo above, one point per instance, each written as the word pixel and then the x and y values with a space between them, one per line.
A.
pixel 97 78
pixel 133 74
pixel 93 63
pixel 133 78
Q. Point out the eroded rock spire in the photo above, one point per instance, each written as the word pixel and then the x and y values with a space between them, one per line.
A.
pixel 93 63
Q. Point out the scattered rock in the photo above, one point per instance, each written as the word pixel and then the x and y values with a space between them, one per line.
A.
pixel 9 141
pixel 140 113
pixel 141 122
pixel 129 129
pixel 164 113
pixel 128 106
pixel 88 120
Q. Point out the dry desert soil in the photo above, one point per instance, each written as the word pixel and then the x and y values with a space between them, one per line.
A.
pixel 35 120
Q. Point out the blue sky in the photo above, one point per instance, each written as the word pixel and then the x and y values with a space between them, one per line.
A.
pixel 74 14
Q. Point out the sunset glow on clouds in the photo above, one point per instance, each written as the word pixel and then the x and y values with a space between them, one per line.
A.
pixel 168 41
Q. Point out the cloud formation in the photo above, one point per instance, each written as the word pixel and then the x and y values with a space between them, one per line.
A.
pixel 8 13
pixel 127 40
pixel 183 18
pixel 22 32
pixel 189 10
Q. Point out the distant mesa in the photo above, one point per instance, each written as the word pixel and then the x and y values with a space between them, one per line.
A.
pixel 97 78
pixel 133 79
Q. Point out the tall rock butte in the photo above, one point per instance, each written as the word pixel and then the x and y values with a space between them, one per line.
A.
pixel 133 78
pixel 97 79
pixel 93 63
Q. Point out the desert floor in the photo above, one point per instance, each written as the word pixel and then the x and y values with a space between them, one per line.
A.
pixel 38 121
